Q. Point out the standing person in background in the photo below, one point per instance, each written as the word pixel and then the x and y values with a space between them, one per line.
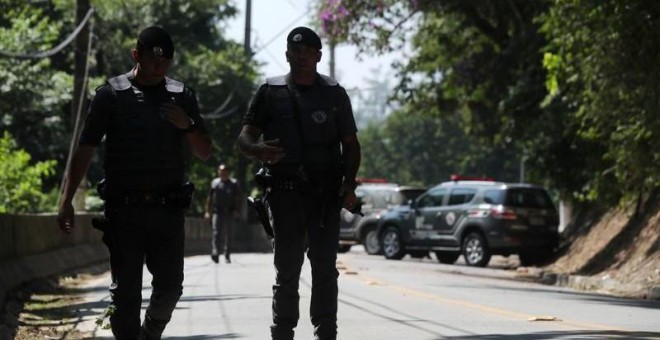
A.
pixel 311 154
pixel 146 119
pixel 224 200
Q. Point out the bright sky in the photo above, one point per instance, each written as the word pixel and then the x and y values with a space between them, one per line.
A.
pixel 271 22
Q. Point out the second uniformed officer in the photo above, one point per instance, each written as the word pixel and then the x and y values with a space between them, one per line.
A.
pixel 146 119
pixel 311 152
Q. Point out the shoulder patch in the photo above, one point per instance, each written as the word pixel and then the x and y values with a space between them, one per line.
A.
pixel 277 81
pixel 173 86
pixel 120 83
pixel 328 81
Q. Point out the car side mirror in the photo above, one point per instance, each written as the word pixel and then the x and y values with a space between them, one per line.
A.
pixel 412 203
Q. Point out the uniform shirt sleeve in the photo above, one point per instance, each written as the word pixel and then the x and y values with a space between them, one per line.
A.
pixel 191 107
pixel 257 113
pixel 346 120
pixel 96 122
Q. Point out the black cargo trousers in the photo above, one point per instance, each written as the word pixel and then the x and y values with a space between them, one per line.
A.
pixel 305 220
pixel 139 234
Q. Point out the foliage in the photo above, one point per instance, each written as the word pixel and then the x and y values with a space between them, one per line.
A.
pixel 36 94
pixel 568 86
pixel 20 181
pixel 474 68
pixel 602 62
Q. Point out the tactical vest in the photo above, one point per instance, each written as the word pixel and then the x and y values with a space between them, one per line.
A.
pixel 318 123
pixel 138 140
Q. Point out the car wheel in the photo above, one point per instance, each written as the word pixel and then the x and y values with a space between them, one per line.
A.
pixel 392 245
pixel 475 250
pixel 447 258
pixel 370 241
pixel 344 248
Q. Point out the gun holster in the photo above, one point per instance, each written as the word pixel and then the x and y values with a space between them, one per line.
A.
pixel 260 207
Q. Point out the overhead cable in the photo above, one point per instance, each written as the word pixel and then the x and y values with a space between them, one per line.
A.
pixel 56 49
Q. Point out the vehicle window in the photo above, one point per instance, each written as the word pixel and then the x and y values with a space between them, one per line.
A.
pixel 433 199
pixel 528 198
pixel 406 195
pixel 493 196
pixel 461 195
pixel 377 198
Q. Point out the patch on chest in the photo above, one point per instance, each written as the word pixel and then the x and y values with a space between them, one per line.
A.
pixel 319 117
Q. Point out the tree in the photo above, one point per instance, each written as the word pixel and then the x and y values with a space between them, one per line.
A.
pixel 20 182
pixel 36 93
pixel 602 62
pixel 474 65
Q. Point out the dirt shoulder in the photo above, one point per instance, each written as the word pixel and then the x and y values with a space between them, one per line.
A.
pixel 50 308
pixel 616 252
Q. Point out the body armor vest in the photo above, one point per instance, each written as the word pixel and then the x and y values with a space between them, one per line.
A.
pixel 318 123
pixel 139 142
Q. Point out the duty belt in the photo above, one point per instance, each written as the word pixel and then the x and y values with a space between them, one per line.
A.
pixel 286 184
pixel 172 199
pixel 145 198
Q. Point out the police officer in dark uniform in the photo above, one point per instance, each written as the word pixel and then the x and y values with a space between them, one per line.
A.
pixel 146 119
pixel 301 126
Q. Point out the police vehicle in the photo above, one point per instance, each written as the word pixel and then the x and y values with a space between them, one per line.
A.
pixel 375 195
pixel 476 219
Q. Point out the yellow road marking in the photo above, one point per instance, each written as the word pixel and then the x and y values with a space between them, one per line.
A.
pixel 487 309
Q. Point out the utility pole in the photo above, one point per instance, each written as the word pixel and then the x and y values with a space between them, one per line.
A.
pixel 332 57
pixel 248 28
pixel 79 67
pixel 242 162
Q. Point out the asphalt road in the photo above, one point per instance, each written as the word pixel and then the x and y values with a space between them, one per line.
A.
pixel 383 299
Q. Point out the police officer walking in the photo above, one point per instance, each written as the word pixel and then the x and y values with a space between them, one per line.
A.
pixel 224 200
pixel 146 118
pixel 311 153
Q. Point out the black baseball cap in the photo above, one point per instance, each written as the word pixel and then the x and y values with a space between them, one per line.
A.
pixel 157 40
pixel 304 36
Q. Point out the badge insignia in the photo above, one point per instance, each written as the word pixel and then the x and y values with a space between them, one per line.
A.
pixel 450 219
pixel 319 117
pixel 158 51
pixel 297 37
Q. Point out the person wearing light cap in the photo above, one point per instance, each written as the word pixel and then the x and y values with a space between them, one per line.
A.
pixel 146 119
pixel 301 127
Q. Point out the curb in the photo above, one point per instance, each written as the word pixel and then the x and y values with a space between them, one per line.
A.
pixel 21 270
pixel 601 284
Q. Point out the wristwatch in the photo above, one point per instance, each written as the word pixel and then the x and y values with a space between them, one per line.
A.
pixel 192 126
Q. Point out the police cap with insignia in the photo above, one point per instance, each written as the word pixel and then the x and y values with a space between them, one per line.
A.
pixel 156 40
pixel 304 36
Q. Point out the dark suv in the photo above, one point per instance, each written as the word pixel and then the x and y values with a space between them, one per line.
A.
pixel 476 219
pixel 375 198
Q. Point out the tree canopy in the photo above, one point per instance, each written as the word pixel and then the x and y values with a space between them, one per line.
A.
pixel 566 88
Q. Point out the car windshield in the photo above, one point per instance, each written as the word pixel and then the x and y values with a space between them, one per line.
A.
pixel 519 197
pixel 409 194
pixel 383 198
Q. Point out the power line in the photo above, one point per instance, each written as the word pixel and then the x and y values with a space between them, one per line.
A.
pixel 56 49
pixel 285 29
